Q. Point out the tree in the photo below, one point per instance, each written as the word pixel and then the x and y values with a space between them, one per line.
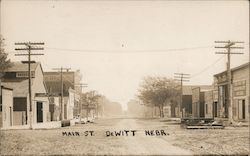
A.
pixel 4 62
pixel 90 101
pixel 155 91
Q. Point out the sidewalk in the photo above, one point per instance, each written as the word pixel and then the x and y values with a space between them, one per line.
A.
pixel 45 125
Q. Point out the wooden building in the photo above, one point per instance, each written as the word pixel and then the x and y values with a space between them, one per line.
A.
pixel 201 101
pixel 239 93
pixel 16 77
pixel 6 107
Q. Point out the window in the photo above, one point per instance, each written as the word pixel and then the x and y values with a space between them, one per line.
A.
pixel 25 74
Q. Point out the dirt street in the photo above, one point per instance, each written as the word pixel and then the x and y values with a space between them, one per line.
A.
pixel 125 137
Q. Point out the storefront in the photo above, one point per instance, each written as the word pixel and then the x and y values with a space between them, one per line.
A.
pixel 197 103
pixel 239 93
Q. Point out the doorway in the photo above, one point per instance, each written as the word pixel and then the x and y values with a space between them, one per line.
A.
pixel 39 111
pixel 241 112
pixel 11 116
pixel 215 109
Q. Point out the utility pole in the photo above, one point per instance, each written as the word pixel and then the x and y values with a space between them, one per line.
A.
pixel 228 45
pixel 61 79
pixel 81 85
pixel 29 46
pixel 182 78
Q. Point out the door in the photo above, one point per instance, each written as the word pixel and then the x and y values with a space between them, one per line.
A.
pixel 243 109
pixel 215 109
pixel 241 106
pixel 39 110
pixel 10 116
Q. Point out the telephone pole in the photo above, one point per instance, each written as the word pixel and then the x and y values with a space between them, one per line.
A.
pixel 28 47
pixel 81 85
pixel 61 79
pixel 182 78
pixel 228 45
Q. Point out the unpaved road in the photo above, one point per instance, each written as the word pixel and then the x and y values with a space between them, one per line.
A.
pixel 177 141
pixel 142 144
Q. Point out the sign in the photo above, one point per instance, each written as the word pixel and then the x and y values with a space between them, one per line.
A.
pixel 222 78
pixel 208 97
pixel 215 95
pixel 239 88
pixel 196 94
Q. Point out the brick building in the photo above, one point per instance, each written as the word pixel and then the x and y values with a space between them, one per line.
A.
pixel 71 93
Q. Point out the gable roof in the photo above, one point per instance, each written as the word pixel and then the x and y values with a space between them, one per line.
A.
pixel 21 67
pixel 20 89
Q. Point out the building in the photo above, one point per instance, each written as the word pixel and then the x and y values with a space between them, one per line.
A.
pixel 198 100
pixel 71 93
pixel 6 107
pixel 239 93
pixel 16 77
pixel 54 108
pixel 197 103
pixel 187 101
pixel 208 104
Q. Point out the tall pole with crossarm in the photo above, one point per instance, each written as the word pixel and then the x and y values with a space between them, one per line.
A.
pixel 29 46
pixel 228 45
pixel 61 79
pixel 181 77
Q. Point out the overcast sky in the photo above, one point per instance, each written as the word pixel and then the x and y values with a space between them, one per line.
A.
pixel 115 44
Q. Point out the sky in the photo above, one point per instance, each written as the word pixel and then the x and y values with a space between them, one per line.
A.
pixel 116 43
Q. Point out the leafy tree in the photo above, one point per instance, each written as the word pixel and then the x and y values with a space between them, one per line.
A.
pixel 156 91
pixel 89 100
pixel 4 61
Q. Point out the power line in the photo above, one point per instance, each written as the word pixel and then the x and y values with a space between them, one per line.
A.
pixel 228 45
pixel 126 50
pixel 206 68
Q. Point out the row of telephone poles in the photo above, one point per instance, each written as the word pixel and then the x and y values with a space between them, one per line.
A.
pixel 228 45
pixel 182 77
pixel 29 47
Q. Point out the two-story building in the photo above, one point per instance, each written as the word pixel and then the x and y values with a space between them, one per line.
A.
pixel 71 93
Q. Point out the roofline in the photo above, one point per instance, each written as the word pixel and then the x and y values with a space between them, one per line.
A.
pixel 235 68
pixel 51 72
pixel 37 64
pixel 3 87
